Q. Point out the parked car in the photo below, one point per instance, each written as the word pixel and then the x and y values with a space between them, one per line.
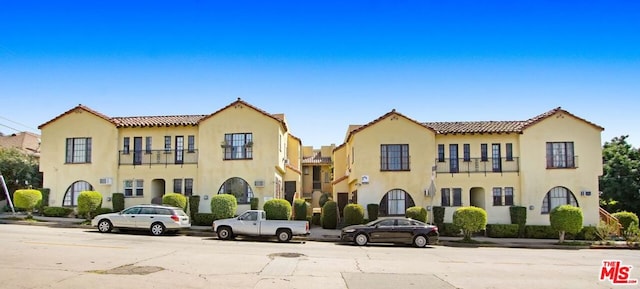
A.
pixel 391 230
pixel 158 219
pixel 255 223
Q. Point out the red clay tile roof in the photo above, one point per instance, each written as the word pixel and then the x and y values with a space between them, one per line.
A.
pixel 547 114
pixel 476 127
pixel 339 180
pixel 241 102
pixel 293 169
pixel 160 121
pixel 356 128
pixel 78 107
pixel 317 159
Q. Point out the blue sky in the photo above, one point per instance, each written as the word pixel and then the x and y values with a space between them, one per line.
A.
pixel 324 64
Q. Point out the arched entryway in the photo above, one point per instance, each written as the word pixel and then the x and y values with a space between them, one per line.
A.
pixel 558 196
pixel 395 203
pixel 157 191
pixel 71 195
pixel 239 188
pixel 477 197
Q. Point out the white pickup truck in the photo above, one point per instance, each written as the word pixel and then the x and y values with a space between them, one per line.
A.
pixel 255 223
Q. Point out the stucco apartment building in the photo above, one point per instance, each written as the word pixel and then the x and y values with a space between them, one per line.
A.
pixel 394 161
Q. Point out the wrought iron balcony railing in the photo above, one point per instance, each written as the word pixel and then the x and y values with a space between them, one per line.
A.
pixel 158 157
pixel 478 165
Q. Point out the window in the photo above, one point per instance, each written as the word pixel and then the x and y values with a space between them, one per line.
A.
pixel 394 157
pixel 125 146
pixel 238 146
pixel 457 197
pixel 191 143
pixel 71 195
pixel 509 148
pixel 327 178
pixel 467 152
pixel 396 202
pixel 560 155
pixel 453 158
pixel 133 188
pixel 239 188
pixel 483 152
pixel 305 170
pixel 167 144
pixel 556 197
pixel 445 197
pixel 179 158
pixel 496 157
pixel 177 186
pixel 188 187
pixel 148 145
pixel 441 153
pixel 508 196
pixel 78 150
pixel 497 196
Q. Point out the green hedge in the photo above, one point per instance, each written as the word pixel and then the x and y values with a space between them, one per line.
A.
pixel 175 200
pixel 353 214
pixel 203 219
pixel 57 211
pixel 88 202
pixel 438 215
pixel 626 218
pixel 540 232
pixel 100 211
pixel 587 233
pixel 448 230
pixel 194 206
pixel 45 199
pixel 329 216
pixel 417 213
pixel 278 209
pixel 372 211
pixel 315 219
pixel 300 209
pixel 502 230
pixel 324 198
pixel 519 217
pixel 117 200
pixel 255 203
pixel 27 199
pixel 223 206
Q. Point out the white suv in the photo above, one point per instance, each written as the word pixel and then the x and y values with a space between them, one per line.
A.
pixel 157 219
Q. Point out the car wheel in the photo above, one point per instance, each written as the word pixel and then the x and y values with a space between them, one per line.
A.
pixel 105 226
pixel 361 239
pixel 157 229
pixel 420 241
pixel 284 235
pixel 224 233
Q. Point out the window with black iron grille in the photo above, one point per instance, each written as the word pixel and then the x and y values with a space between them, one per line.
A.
pixel 78 150
pixel 394 157
pixel 238 146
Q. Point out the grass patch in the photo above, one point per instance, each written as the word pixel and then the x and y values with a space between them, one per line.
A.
pixel 472 241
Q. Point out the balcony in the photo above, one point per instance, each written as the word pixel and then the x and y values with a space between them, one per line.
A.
pixel 158 157
pixel 478 165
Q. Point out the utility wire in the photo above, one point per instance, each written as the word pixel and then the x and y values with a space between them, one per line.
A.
pixel 20 124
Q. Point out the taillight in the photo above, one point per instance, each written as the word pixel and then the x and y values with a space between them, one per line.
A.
pixel 307 227
pixel 175 218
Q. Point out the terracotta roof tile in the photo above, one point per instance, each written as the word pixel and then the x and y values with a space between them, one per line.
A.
pixel 316 159
pixel 78 107
pixel 476 127
pixel 241 102
pixel 160 121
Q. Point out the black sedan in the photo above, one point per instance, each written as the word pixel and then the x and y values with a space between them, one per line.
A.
pixel 391 230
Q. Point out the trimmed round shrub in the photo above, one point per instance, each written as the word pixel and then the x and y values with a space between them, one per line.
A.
pixel 118 201
pixel 329 215
pixel 56 211
pixel 470 220
pixel 372 211
pixel 27 199
pixel 417 213
pixel 278 209
pixel 255 202
pixel 353 214
pixel 566 219
pixel 223 206
pixel 324 198
pixel 300 209
pixel 626 218
pixel 88 202
pixel 100 211
pixel 175 200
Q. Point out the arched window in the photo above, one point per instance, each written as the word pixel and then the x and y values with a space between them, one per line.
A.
pixel 556 197
pixel 71 195
pixel 395 203
pixel 239 188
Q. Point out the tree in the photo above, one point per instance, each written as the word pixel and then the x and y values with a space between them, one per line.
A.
pixel 566 219
pixel 470 220
pixel 20 171
pixel 620 182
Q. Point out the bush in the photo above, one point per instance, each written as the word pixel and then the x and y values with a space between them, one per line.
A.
pixel 223 206
pixel 88 202
pixel 502 230
pixel 566 219
pixel 57 211
pixel 539 232
pixel 100 211
pixel 588 233
pixel 417 213
pixel 438 215
pixel 372 211
pixel 626 218
pixel 255 202
pixel 175 200
pixel 329 215
pixel 203 219
pixel 470 220
pixel 45 199
pixel 448 230
pixel 117 200
pixel 194 206
pixel 605 230
pixel 519 217
pixel 353 214
pixel 324 198
pixel 27 199
pixel 315 219
pixel 300 209
pixel 278 209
